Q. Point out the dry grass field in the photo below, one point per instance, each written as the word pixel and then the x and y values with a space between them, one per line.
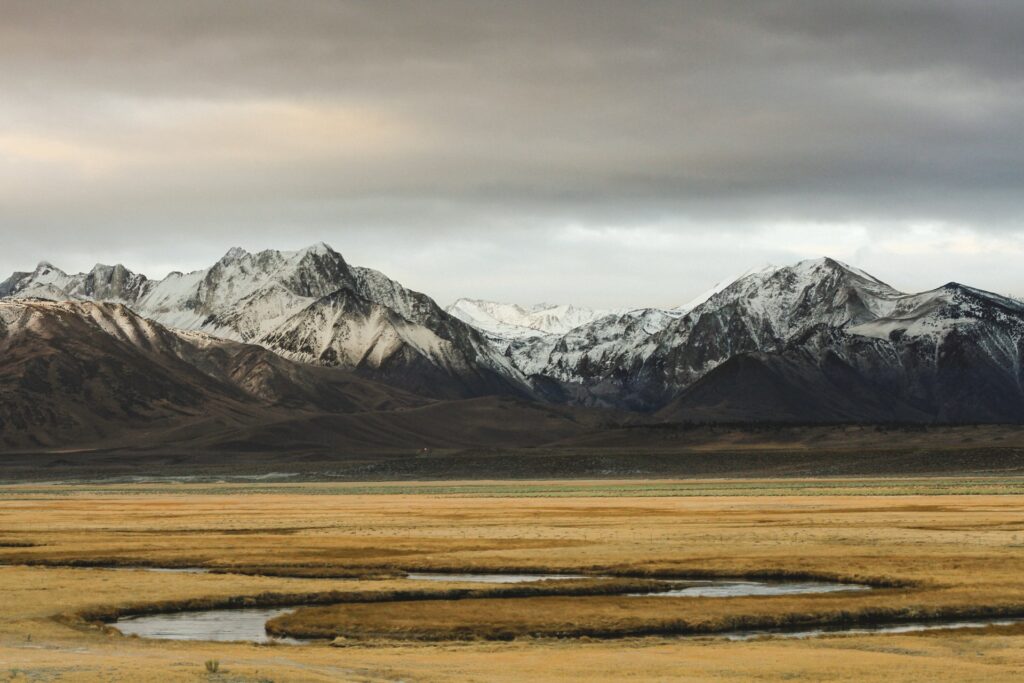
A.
pixel 936 546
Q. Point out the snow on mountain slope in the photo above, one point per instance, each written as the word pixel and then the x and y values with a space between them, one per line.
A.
pixel 599 343
pixel 719 286
pixel 44 282
pixel 308 305
pixel 944 353
pixel 624 362
pixel 941 311
pixel 508 322
pixel 82 371
pixel 783 300
pixel 951 355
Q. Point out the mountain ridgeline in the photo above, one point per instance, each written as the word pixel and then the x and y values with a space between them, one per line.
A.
pixel 950 355
pixel 308 306
pixel 817 341
pixel 304 338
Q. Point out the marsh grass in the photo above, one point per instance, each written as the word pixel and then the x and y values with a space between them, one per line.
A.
pixel 594 617
pixel 107 614
pixel 930 556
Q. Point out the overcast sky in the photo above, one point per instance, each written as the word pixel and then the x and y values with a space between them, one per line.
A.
pixel 604 153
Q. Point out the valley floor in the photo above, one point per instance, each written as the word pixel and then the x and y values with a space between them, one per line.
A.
pixel 642 451
pixel 927 543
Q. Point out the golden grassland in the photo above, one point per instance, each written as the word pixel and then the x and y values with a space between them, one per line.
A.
pixel 938 554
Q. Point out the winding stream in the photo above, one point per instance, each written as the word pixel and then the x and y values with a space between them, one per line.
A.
pixel 249 624
pixel 720 589
pixel 910 627
pixel 221 625
pixel 494 578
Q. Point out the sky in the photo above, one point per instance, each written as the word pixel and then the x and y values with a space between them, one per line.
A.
pixel 597 152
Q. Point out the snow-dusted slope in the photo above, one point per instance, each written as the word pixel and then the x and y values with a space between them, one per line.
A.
pixel 308 305
pixel 718 287
pixel 509 322
pixel 949 355
pixel 77 372
pixel 644 361
pixel 818 328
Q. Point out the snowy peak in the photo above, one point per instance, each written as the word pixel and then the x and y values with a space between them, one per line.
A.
pixel 45 268
pixel 511 321
pixel 641 359
pixel 719 286
pixel 45 282
pixel 109 283
pixel 308 305
pixel 311 306
pixel 945 310
pixel 233 254
pixel 784 300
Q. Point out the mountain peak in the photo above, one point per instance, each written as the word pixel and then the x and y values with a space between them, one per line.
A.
pixel 104 268
pixel 834 265
pixel 514 321
pixel 319 249
pixel 45 267
pixel 234 253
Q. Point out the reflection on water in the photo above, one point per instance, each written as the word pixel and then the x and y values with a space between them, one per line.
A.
pixel 493 578
pixel 742 588
pixel 249 624
pixel 165 570
pixel 245 624
pixel 868 630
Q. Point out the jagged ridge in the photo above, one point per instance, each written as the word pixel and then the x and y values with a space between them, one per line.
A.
pixel 308 305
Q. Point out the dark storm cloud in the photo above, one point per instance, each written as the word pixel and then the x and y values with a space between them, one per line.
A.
pixel 625 132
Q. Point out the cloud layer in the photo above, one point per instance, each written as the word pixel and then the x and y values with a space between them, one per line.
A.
pixel 609 153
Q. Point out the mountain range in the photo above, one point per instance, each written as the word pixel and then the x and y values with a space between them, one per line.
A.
pixel 304 338
pixel 309 306
pixel 504 323
pixel 818 340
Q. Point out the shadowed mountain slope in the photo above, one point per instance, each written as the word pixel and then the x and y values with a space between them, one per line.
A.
pixel 308 305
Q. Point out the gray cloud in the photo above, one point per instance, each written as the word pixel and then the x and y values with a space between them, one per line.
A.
pixel 604 152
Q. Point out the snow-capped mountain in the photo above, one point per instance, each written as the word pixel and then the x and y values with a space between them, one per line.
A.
pixel 97 376
pixel 509 322
pixel 718 287
pixel 899 345
pixel 306 305
pixel 817 340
